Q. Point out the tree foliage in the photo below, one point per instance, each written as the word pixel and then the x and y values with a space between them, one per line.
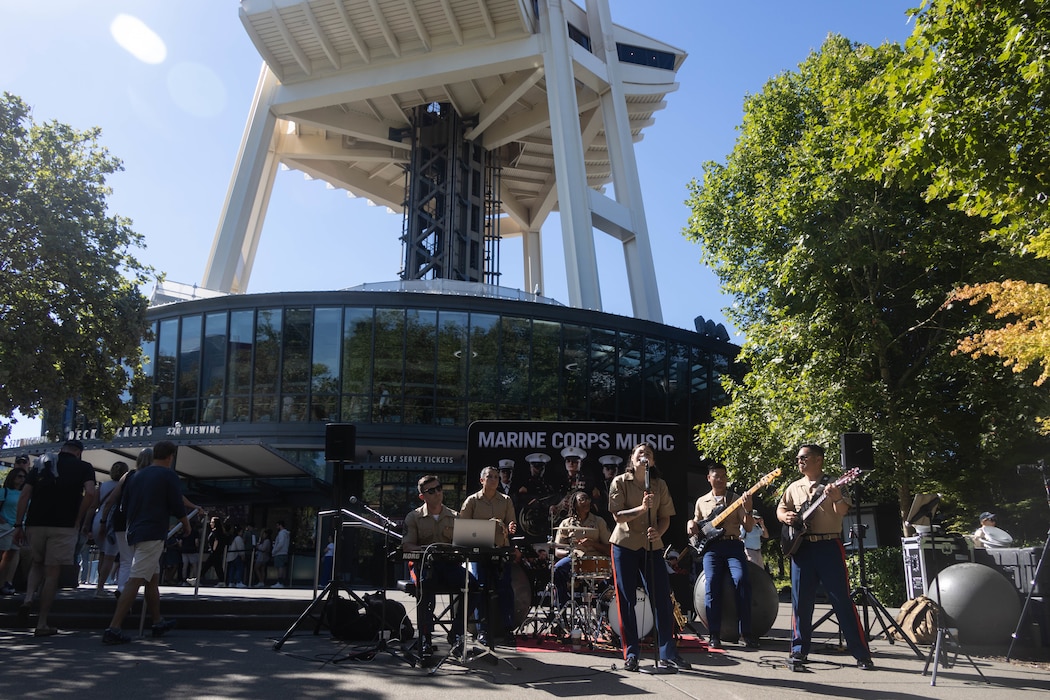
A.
pixel 72 318
pixel 968 115
pixel 835 277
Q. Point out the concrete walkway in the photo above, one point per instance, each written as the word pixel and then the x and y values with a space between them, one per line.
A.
pixel 235 664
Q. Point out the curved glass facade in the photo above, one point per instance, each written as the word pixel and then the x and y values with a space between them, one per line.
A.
pixel 422 360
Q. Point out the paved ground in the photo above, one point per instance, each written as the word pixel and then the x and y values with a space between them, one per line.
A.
pixel 210 664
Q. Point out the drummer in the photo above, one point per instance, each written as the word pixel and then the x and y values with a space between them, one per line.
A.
pixel 579 504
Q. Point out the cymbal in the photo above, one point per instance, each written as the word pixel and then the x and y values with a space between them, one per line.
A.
pixel 578 530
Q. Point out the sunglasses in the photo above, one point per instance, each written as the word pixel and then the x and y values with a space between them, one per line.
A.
pixel 432 490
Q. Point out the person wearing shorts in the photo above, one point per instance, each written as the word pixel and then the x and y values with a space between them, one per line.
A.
pixel 151 496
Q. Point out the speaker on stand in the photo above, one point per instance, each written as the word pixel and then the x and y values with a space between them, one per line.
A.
pixel 340 443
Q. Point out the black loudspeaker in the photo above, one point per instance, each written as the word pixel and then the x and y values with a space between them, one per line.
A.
pixel 857 452
pixel 340 441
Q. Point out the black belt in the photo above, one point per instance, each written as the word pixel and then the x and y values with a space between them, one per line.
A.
pixel 821 538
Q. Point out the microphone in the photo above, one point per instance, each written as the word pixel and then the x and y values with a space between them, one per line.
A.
pixel 645 463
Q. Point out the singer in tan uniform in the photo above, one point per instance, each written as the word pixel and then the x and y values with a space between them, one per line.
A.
pixel 642 517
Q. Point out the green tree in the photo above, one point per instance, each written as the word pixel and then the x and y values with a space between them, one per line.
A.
pixel 834 277
pixel 968 118
pixel 71 315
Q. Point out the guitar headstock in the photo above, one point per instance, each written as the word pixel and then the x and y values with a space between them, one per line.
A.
pixel 849 476
pixel 771 477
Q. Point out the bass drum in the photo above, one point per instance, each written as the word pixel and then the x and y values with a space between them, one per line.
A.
pixel 610 615
pixel 765 603
pixel 522 587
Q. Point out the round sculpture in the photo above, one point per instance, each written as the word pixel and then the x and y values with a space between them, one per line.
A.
pixel 979 601
pixel 764 604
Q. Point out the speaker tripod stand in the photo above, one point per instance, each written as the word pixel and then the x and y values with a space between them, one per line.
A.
pixel 863 596
pixel 325 605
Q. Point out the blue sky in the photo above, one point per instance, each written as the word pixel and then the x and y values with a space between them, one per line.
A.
pixel 176 120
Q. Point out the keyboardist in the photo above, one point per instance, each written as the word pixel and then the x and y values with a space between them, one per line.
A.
pixel 489 504
pixel 430 524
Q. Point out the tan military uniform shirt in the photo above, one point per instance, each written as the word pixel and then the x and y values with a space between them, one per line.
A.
pixel 499 507
pixel 591 520
pixel 824 521
pixel 422 528
pixel 706 504
pixel 626 492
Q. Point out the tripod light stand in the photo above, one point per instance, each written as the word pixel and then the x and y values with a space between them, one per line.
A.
pixel 1036 577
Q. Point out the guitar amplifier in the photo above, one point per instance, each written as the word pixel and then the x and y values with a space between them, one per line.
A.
pixel 927 555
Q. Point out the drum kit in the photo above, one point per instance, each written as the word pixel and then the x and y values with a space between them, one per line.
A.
pixel 589 614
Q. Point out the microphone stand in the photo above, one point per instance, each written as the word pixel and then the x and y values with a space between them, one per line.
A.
pixel 1037 575
pixel 656 668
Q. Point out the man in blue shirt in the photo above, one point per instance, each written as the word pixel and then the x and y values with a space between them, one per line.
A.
pixel 151 496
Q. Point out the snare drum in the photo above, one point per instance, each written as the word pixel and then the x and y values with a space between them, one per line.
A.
pixel 592 567
pixel 643 612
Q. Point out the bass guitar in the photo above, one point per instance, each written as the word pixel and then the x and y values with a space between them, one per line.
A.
pixel 710 530
pixel 791 535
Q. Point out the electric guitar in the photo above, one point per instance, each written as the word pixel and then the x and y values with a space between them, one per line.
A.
pixel 710 530
pixel 791 535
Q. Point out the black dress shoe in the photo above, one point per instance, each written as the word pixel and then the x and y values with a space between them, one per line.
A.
pixel 677 663
pixel 866 665
pixel 750 643
pixel 631 664
pixel 714 643
pixel 798 657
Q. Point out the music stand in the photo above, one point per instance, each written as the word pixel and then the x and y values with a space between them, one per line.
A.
pixel 923 510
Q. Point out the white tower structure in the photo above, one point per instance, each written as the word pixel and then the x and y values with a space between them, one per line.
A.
pixel 551 94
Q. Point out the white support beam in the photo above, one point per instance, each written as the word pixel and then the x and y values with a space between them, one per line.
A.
pixel 502 100
pixel 232 254
pixel 487 17
pixel 453 23
pixel 581 263
pixel 352 180
pixel 326 45
pixel 417 23
pixel 420 72
pixel 300 56
pixel 315 147
pixel 356 125
pixel 384 27
pixel 641 270
pixel 267 56
pixel 355 36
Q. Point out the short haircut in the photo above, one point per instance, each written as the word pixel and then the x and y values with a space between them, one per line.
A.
pixel 813 448
pixel 486 470
pixel 426 479
pixel 164 449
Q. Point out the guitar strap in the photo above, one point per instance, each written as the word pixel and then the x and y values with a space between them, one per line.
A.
pixel 817 493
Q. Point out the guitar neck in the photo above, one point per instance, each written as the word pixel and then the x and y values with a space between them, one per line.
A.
pixel 718 519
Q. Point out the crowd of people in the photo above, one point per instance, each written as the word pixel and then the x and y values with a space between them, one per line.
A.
pixel 53 512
